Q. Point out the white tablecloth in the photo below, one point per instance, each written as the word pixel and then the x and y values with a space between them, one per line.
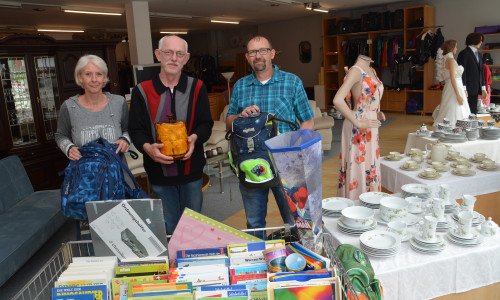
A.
pixel 489 147
pixel 484 182
pixel 411 275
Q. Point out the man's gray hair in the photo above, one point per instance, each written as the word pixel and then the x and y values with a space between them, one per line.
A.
pixel 160 43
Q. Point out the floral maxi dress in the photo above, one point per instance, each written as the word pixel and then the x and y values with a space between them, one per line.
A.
pixel 360 152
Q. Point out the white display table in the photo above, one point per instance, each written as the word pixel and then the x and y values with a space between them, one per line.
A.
pixel 489 147
pixel 410 275
pixel 484 182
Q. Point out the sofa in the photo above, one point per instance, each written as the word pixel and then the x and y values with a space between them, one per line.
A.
pixel 27 218
pixel 322 124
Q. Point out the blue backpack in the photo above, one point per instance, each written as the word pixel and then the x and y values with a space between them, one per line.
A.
pixel 98 175
pixel 248 154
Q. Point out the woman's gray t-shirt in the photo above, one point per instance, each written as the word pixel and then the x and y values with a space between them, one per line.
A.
pixel 77 125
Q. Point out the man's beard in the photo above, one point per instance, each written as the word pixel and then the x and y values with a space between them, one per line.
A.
pixel 260 67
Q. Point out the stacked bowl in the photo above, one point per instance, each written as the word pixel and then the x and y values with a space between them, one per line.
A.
pixel 490 133
pixel 356 219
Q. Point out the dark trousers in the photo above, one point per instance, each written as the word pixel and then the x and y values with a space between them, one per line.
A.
pixel 472 99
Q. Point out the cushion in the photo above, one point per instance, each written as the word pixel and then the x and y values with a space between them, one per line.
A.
pixel 26 226
pixel 14 182
pixel 325 122
pixel 216 137
pixel 219 126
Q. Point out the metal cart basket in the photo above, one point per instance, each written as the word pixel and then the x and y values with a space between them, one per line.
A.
pixel 40 286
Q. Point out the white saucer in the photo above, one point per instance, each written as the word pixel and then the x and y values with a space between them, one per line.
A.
pixel 469 173
pixel 402 167
pixel 454 232
pixel 454 164
pixel 422 175
pixel 393 158
pixel 495 168
pixel 435 241
pixel 416 211
pixel 344 226
pixel 410 219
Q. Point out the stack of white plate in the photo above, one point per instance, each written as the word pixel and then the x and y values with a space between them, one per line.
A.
pixel 380 243
pixel 433 246
pixel 416 190
pixel 473 239
pixel 489 133
pixel 333 206
pixel 372 199
pixel 450 206
pixel 477 218
pixel 444 224
pixel 409 219
pixel 342 227
pixel 454 138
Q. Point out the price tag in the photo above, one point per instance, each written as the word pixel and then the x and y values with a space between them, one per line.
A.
pixel 369 42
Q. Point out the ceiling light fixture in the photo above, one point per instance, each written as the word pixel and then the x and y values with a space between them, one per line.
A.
pixel 174 32
pixel 91 11
pixel 10 4
pixel 227 21
pixel 282 2
pixel 169 16
pixel 315 6
pixel 59 30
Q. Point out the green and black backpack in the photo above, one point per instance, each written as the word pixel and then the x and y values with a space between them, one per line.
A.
pixel 248 154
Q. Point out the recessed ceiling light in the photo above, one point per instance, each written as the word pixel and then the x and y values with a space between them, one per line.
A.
pixel 222 20
pixel 59 30
pixel 91 11
pixel 174 32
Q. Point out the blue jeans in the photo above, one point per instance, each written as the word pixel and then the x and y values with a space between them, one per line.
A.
pixel 255 203
pixel 175 198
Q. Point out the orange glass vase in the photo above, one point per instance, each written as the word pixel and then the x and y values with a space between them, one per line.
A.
pixel 173 136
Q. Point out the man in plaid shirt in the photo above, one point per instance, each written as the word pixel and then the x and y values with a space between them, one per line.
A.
pixel 270 90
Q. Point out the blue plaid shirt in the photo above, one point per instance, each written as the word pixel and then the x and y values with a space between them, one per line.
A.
pixel 283 95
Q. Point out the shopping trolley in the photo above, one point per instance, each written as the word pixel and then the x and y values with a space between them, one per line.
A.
pixel 40 286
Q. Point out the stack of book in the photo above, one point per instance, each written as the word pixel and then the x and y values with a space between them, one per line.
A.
pixel 138 270
pixel 86 277
pixel 229 292
pixel 202 267
pixel 160 290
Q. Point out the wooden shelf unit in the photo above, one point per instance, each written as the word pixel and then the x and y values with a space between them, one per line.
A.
pixel 391 100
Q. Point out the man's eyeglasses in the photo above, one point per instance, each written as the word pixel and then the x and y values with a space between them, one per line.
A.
pixel 262 51
pixel 169 53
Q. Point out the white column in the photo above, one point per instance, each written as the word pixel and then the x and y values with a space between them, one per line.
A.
pixel 139 32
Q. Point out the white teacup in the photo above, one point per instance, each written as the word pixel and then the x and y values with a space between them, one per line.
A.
pixel 437 165
pixel 430 172
pixel 414 204
pixel 461 161
pixel 468 203
pixel 398 227
pixel 487 163
pixel 491 123
pixel 427 227
pixel 437 208
pixel 462 169
pixel 479 156
pixel 410 164
pixel 394 154
pixel 453 154
pixel 492 105
pixel 415 151
pixel 464 224
pixel 445 192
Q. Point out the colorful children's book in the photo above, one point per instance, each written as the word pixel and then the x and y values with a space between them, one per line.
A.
pixel 253 246
pixel 202 261
pixel 194 253
pixel 305 292
pixel 120 285
pixel 223 293
pixel 96 292
pixel 197 231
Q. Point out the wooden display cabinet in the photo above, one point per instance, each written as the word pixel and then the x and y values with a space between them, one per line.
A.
pixel 35 79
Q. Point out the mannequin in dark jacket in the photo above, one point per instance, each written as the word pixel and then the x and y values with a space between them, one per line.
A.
pixel 472 77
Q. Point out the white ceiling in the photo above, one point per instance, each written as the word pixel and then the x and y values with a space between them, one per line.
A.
pixel 44 13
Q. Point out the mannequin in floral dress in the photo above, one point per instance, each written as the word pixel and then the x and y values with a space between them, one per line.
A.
pixel 360 154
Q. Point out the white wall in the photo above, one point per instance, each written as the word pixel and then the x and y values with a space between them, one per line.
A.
pixel 287 35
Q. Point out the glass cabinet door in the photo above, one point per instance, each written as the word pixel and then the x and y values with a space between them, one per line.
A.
pixel 48 93
pixel 18 100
